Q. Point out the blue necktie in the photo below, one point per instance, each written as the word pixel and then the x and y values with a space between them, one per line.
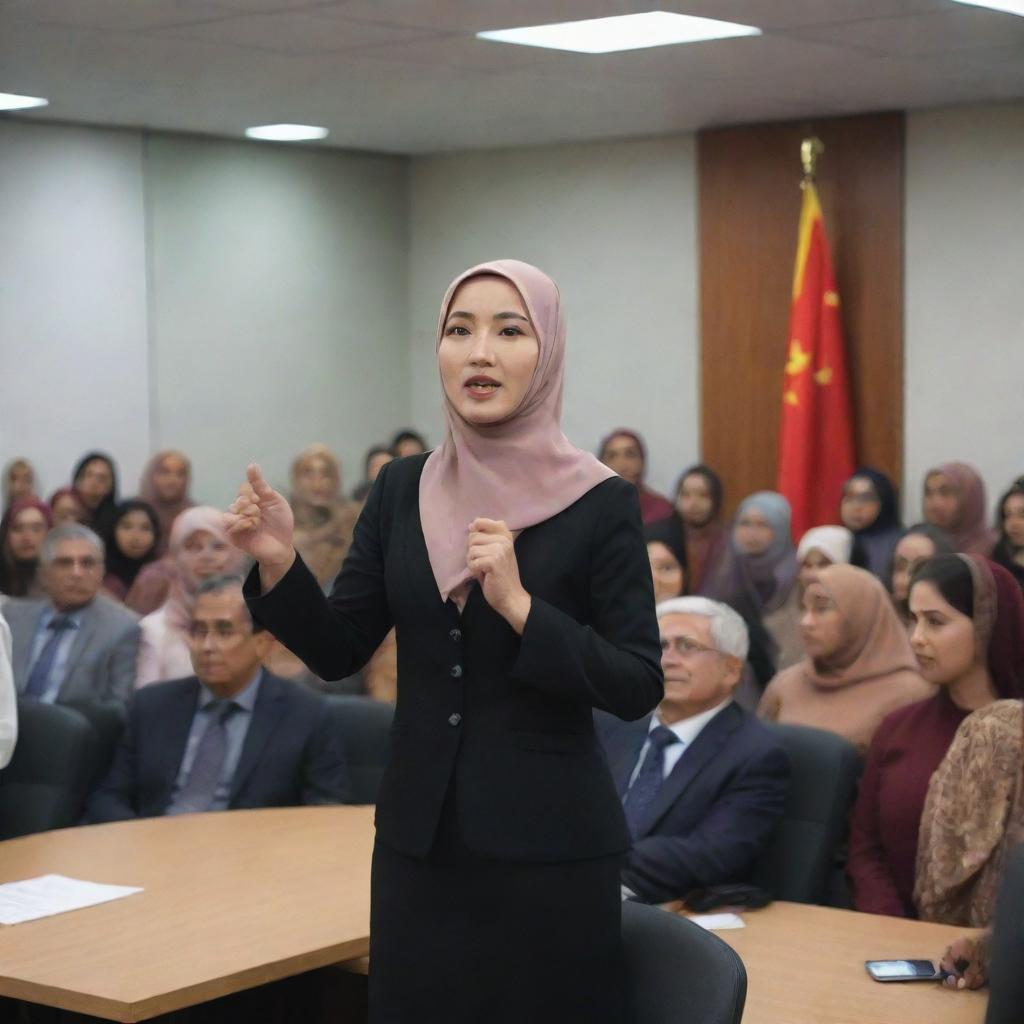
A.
pixel 39 678
pixel 208 764
pixel 649 779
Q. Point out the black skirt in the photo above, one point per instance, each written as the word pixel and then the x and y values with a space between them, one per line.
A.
pixel 456 938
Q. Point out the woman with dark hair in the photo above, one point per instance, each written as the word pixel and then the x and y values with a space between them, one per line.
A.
pixel 407 442
pixel 954 501
pixel 917 544
pixel 95 480
pixel 869 509
pixel 67 507
pixel 133 542
pixel 19 481
pixel 374 461
pixel 666 549
pixel 1009 549
pixel 165 487
pixel 624 452
pixel 699 496
pixel 23 529
pixel 967 636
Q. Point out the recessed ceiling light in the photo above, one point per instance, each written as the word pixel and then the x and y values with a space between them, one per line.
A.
pixel 11 101
pixel 1006 6
pixel 286 132
pixel 624 32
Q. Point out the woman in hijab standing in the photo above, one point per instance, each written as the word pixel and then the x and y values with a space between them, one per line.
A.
pixel 699 497
pixel 954 501
pixel 165 487
pixel 624 452
pixel 514 568
pixel 95 480
pixel 19 481
pixel 869 509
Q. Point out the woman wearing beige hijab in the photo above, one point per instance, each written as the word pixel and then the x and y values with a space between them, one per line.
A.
pixel 859 664
pixel 514 568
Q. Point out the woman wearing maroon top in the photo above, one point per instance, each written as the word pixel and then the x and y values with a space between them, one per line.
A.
pixel 624 452
pixel 963 636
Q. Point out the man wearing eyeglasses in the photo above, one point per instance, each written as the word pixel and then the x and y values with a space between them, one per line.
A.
pixel 231 736
pixel 703 783
pixel 77 646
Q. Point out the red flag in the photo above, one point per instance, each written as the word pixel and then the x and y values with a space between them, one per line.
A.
pixel 816 438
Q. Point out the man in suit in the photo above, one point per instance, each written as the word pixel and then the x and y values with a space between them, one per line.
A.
pixel 77 646
pixel 231 736
pixel 703 783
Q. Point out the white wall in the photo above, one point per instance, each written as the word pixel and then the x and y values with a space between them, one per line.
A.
pixel 73 354
pixel 278 305
pixel 615 225
pixel 965 294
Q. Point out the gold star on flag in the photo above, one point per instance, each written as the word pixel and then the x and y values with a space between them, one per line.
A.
pixel 798 360
pixel 790 398
pixel 823 376
pixel 831 298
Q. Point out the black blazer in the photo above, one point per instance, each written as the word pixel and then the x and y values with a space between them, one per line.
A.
pixel 505 719
pixel 292 753
pixel 714 814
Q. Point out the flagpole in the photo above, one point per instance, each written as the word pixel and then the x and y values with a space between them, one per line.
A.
pixel 810 149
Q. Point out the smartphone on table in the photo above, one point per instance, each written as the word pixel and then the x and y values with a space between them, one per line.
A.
pixel 902 970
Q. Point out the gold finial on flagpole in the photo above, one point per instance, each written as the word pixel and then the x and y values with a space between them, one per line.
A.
pixel 810 150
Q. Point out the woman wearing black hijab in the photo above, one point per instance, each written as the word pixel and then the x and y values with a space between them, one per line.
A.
pixel 1009 549
pixel 870 511
pixel 133 542
pixel 95 479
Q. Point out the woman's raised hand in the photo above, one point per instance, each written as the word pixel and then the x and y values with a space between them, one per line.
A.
pixel 260 523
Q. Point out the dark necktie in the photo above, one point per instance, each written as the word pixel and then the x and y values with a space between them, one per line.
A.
pixel 39 678
pixel 649 779
pixel 204 776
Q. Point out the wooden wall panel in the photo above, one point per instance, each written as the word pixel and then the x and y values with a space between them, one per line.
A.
pixel 749 207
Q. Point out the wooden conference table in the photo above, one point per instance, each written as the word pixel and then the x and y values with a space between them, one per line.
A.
pixel 244 898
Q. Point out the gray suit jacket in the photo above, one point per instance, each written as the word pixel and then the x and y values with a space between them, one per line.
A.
pixel 101 662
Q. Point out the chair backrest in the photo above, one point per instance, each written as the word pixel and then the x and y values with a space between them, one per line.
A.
pixel 1006 996
pixel 366 733
pixel 678 973
pixel 801 856
pixel 107 719
pixel 45 784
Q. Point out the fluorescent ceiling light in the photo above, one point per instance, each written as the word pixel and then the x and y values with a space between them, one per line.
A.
pixel 286 132
pixel 1006 6
pixel 11 101
pixel 625 32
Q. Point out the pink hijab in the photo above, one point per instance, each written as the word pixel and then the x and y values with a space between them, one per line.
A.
pixel 970 534
pixel 522 470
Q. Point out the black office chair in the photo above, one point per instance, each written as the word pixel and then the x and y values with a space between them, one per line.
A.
pixel 800 862
pixel 678 973
pixel 108 719
pixel 366 732
pixel 1006 998
pixel 45 784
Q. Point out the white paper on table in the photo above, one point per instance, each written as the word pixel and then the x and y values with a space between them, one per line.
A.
pixel 47 895
pixel 718 922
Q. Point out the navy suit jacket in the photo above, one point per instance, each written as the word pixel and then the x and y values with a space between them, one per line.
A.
pixel 292 754
pixel 714 814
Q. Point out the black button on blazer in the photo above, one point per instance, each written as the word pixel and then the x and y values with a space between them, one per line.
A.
pixel 505 719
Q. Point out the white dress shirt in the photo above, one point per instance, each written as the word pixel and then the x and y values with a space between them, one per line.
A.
pixel 687 729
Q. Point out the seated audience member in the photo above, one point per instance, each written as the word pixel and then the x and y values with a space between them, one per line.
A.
pixel 230 736
pixel 67 507
pixel 132 543
pixel 8 697
pixel 703 783
pixel 666 549
pixel 699 497
pixel 407 442
pixel 23 529
pixel 373 462
pixel 917 544
pixel 623 451
pixel 95 479
pixel 77 645
pixel 324 520
pixel 19 481
pixel 1009 549
pixel 859 665
pixel 869 509
pixel 963 618
pixel 199 550
pixel 954 501
pixel 165 487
